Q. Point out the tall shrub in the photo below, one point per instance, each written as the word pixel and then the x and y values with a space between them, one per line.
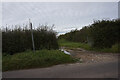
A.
pixel 19 40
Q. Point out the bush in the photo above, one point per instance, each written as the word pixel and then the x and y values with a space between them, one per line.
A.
pixel 115 48
pixel 101 34
pixel 19 40
pixel 105 33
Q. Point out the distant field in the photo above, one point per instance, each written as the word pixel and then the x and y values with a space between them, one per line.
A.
pixel 65 43
pixel 28 59
pixel 69 44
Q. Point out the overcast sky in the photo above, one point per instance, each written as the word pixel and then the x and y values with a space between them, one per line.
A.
pixel 65 15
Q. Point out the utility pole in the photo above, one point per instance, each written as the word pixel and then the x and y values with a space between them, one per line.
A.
pixel 30 24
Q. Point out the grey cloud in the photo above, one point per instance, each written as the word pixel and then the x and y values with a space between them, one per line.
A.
pixel 65 16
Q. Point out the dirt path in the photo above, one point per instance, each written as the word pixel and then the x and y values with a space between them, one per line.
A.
pixel 94 65
pixel 91 56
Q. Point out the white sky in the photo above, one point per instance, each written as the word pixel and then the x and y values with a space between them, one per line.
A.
pixel 65 15
pixel 59 0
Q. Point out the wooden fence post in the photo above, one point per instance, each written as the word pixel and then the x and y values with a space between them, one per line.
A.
pixel 30 24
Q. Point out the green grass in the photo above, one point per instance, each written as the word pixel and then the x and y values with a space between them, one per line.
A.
pixel 62 42
pixel 69 44
pixel 113 49
pixel 28 59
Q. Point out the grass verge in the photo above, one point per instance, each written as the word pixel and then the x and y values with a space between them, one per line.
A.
pixel 113 49
pixel 28 59
pixel 64 43
pixel 69 44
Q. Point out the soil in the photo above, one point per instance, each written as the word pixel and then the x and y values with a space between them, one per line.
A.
pixel 85 56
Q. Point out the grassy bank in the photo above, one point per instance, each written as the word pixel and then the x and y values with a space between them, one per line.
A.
pixel 28 59
pixel 69 44
pixel 65 43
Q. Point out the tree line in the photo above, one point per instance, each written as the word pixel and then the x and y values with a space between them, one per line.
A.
pixel 100 34
pixel 19 39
